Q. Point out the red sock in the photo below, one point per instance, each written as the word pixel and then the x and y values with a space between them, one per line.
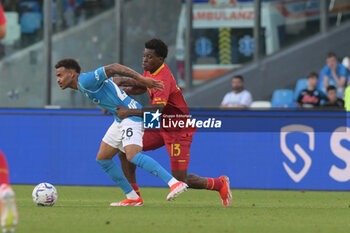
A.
pixel 136 188
pixel 4 172
pixel 214 184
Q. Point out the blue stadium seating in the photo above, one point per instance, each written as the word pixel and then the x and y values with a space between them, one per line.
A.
pixel 301 85
pixel 30 22
pixel 30 6
pixel 282 98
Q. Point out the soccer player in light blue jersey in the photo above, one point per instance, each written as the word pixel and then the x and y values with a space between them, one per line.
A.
pixel 123 135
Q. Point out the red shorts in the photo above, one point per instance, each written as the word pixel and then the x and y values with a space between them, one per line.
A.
pixel 178 146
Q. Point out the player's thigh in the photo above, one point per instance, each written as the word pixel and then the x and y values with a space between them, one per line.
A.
pixel 152 140
pixel 106 151
pixel 132 133
pixel 113 136
pixel 179 152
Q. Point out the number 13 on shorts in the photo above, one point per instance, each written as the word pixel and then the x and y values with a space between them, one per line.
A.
pixel 175 150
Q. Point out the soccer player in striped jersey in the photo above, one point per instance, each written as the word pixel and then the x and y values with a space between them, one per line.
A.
pixel 169 101
pixel 123 135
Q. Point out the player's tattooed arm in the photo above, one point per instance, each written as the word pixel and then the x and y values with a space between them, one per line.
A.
pixel 125 81
pixel 116 68
pixel 130 86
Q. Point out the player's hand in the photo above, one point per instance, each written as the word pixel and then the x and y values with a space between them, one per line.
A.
pixel 152 84
pixel 122 112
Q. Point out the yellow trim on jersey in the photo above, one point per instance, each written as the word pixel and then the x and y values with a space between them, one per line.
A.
pixel 212 186
pixel 161 103
pixel 159 69
pixel 182 161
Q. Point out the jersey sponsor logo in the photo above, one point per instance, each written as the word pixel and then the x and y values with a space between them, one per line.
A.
pixel 97 76
pixel 310 99
pixel 151 120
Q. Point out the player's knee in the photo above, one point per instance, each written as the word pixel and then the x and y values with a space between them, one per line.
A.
pixel 101 156
pixel 131 151
pixel 129 157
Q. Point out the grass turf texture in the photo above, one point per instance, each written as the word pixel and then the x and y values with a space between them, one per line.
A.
pixel 86 209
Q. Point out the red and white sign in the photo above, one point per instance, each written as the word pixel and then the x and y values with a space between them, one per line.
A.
pixel 223 15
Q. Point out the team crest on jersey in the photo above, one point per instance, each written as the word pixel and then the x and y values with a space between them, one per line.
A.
pixel 151 120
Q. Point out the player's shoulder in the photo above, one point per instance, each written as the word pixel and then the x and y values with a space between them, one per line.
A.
pixel 90 79
pixel 84 77
pixel 84 80
pixel 164 72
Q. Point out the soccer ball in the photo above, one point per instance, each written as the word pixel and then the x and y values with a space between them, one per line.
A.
pixel 44 194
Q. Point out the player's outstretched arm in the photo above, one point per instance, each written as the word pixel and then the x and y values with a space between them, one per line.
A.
pixel 116 68
pixel 130 86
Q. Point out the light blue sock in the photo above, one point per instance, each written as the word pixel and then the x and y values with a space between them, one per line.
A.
pixel 152 166
pixel 116 174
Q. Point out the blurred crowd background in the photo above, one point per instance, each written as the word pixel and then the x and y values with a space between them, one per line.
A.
pixel 302 62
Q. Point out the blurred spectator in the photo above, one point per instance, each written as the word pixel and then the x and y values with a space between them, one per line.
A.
pixel 346 62
pixel 332 99
pixel 347 99
pixel 2 30
pixel 238 98
pixel 334 73
pixel 2 23
pixel 311 96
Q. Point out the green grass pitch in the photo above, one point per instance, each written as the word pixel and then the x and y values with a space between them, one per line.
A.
pixel 86 210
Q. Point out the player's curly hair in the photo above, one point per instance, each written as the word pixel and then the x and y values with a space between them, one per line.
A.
pixel 159 47
pixel 69 63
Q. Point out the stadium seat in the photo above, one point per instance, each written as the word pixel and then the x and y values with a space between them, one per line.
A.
pixel 30 22
pixel 301 85
pixel 31 6
pixel 260 104
pixel 13 28
pixel 282 98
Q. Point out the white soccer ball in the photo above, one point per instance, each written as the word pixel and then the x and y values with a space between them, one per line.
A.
pixel 44 194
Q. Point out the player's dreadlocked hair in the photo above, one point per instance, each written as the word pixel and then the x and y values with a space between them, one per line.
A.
pixel 159 47
pixel 69 63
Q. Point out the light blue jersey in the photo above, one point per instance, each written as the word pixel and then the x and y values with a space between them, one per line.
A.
pixel 105 93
